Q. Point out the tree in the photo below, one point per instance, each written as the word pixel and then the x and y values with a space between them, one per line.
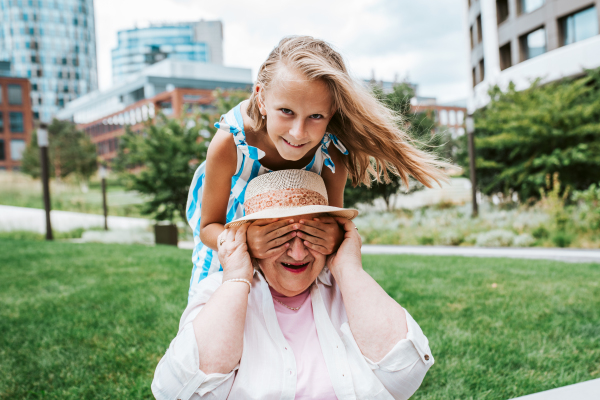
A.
pixel 523 136
pixel 70 152
pixel 420 127
pixel 160 161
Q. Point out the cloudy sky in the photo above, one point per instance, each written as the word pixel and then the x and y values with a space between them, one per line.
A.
pixel 422 40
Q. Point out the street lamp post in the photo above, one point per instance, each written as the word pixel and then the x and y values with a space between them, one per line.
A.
pixel 471 134
pixel 103 174
pixel 42 137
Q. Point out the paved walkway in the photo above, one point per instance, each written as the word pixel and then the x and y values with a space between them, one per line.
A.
pixel 569 255
pixel 34 220
pixel 589 390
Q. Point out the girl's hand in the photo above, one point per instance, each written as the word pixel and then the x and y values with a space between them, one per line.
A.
pixel 348 254
pixel 233 254
pixel 321 234
pixel 269 237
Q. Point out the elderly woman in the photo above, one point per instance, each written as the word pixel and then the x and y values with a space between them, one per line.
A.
pixel 298 325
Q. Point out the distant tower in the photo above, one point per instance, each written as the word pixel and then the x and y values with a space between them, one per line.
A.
pixel 192 41
pixel 53 44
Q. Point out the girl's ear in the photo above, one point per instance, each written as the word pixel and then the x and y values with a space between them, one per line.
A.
pixel 259 99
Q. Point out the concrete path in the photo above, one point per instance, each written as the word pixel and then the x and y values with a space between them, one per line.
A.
pixel 589 390
pixel 34 220
pixel 569 255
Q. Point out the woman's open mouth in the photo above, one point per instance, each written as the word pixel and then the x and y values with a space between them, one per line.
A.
pixel 296 146
pixel 295 268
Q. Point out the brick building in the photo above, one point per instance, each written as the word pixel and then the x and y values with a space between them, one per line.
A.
pixel 105 132
pixel 16 121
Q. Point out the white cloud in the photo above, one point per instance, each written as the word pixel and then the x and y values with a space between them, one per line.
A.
pixel 423 40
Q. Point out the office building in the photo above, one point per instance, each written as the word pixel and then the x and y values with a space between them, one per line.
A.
pixel 191 41
pixel 521 40
pixel 170 86
pixel 16 121
pixel 52 43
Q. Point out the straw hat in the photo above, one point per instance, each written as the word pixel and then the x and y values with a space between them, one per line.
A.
pixel 287 193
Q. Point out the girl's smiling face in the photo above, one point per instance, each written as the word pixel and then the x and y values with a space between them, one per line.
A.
pixel 297 112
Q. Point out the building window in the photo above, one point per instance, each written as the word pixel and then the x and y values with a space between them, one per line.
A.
pixel 471 36
pixel 1 123
pixel 479 29
pixel 16 122
pixel 474 77
pixel 481 70
pixel 0 94
pixel 579 26
pixel 501 10
pixel 505 57
pixel 17 147
pixel 15 94
pixel 2 150
pixel 533 44
pixel 527 6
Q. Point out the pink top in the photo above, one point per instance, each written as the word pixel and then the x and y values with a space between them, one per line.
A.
pixel 298 327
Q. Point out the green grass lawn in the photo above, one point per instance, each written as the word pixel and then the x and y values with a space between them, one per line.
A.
pixel 91 321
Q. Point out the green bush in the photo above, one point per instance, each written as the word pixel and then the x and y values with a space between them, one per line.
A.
pixel 541 232
pixel 562 239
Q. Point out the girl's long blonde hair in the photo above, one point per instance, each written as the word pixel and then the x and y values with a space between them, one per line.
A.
pixel 368 129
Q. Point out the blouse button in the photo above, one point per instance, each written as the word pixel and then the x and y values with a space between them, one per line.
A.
pixel 426 357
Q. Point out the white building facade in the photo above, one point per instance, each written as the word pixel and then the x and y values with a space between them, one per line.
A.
pixel 521 40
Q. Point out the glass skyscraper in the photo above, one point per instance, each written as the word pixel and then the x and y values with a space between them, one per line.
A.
pixel 140 47
pixel 51 42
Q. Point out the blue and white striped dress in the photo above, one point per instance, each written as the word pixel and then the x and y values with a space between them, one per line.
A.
pixel 205 260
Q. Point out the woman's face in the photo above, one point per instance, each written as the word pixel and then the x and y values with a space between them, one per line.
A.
pixel 297 112
pixel 295 270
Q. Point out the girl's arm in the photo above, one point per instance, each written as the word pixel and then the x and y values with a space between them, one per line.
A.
pixel 221 163
pixel 335 183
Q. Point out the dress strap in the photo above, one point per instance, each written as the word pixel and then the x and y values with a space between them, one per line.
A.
pixel 329 138
pixel 233 122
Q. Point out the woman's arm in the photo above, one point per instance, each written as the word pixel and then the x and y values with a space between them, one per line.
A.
pixel 219 326
pixel 376 320
pixel 221 163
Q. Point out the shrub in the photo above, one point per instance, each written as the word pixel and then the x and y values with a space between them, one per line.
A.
pixel 540 232
pixel 495 238
pixel 524 240
pixel 451 238
pixel 425 240
pixel 562 239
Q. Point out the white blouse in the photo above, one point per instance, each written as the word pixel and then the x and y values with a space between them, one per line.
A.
pixel 267 369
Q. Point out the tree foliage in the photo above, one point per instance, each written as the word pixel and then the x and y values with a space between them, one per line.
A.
pixel 420 127
pixel 70 152
pixel 523 136
pixel 160 161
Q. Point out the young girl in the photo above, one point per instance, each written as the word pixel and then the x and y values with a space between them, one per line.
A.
pixel 303 101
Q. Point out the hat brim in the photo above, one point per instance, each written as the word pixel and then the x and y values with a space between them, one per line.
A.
pixel 269 213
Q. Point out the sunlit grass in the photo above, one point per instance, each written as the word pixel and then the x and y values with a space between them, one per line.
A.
pixel 91 321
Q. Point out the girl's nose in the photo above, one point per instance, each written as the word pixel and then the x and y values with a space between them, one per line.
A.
pixel 298 130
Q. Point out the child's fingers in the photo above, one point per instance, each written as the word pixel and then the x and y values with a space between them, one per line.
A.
pixel 279 232
pixel 282 239
pixel 313 239
pixel 268 229
pixel 326 219
pixel 316 247
pixel 311 230
pixel 277 251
